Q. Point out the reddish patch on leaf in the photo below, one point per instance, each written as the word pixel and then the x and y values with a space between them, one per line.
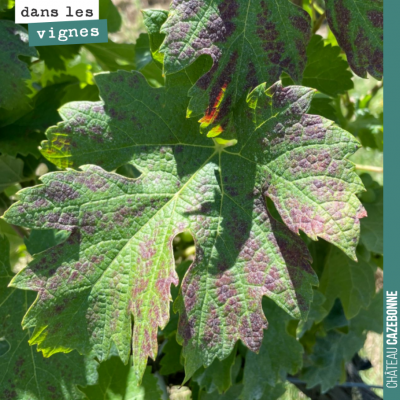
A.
pixel 251 330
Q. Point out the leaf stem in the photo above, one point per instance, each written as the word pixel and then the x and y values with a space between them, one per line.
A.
pixel 319 22
pixel 370 168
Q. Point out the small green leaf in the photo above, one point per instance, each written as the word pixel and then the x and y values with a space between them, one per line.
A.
pixel 39 241
pixel 322 105
pixel 153 20
pixel 13 71
pixel 316 314
pixel 110 12
pixel 170 363
pixel 332 351
pixel 352 282
pixel 325 70
pixel 11 171
pixel 262 370
pixel 119 382
pixel 113 56
pixel 54 56
pixel 372 227
pixel 218 376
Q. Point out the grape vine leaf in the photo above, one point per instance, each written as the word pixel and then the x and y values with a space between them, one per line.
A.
pixel 110 12
pixel 372 227
pixel 352 282
pixel 113 56
pixel 368 128
pixel 358 27
pixel 24 135
pixel 118 381
pixel 54 57
pixel 119 254
pixel 13 71
pixel 316 314
pixel 24 373
pixel 153 20
pixel 325 70
pixel 170 363
pixel 262 370
pixel 250 42
pixel 322 105
pixel 218 376
pixel 11 171
pixel 39 241
pixel 332 351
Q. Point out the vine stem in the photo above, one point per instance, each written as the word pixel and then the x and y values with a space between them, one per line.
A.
pixel 370 168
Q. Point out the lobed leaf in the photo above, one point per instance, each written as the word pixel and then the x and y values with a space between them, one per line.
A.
pixel 332 351
pixel 353 283
pixel 325 70
pixel 24 373
pixel 262 370
pixel 118 260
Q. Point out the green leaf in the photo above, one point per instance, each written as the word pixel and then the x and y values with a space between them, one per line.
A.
pixel 13 71
pixel 218 376
pixel 39 241
pixel 24 135
pixel 153 20
pixel 352 282
pixel 113 56
pixel 358 27
pixel 109 12
pixel 250 42
pixel 368 128
pixel 118 382
pixel 170 363
pixel 54 56
pixel 118 261
pixel 11 171
pixel 262 370
pixel 24 373
pixel 325 70
pixel 322 105
pixel 317 314
pixel 372 227
pixel 332 351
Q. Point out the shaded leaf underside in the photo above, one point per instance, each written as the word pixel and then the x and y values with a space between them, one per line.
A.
pixel 118 260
